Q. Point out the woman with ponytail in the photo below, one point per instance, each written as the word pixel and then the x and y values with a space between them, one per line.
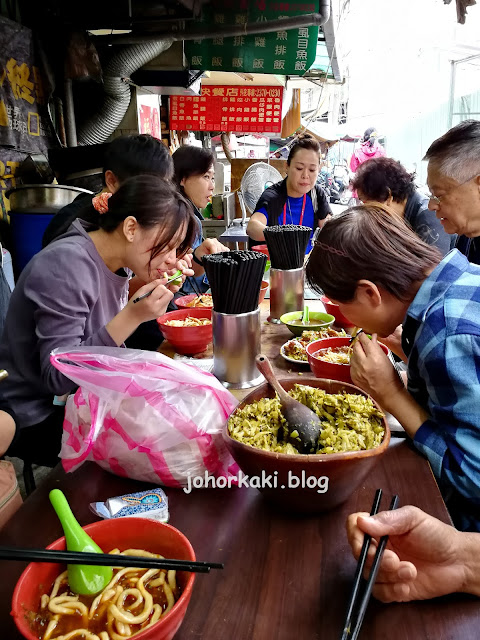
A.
pixel 75 293
pixel 296 200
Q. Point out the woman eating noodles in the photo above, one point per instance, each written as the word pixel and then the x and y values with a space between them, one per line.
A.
pixel 382 275
pixel 298 199
pixel 75 293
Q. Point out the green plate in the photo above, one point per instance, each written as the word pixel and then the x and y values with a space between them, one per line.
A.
pixel 318 320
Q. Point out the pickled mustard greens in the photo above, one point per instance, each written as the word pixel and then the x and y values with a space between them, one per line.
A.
pixel 350 422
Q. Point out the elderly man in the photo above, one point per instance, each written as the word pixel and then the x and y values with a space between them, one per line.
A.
pixel 454 182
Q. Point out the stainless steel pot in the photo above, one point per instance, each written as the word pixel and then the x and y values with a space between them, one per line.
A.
pixel 42 198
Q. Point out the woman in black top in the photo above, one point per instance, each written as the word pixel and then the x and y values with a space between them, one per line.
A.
pixel 296 200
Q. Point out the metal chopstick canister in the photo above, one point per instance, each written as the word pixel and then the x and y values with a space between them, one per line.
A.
pixel 236 343
pixel 286 292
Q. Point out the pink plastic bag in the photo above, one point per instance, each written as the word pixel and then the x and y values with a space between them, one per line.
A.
pixel 143 415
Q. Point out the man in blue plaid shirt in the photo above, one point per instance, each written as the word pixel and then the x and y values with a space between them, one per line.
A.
pixel 382 275
pixel 441 338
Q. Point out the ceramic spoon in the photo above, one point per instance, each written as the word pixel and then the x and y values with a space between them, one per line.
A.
pixel 83 579
pixel 306 316
pixel 303 425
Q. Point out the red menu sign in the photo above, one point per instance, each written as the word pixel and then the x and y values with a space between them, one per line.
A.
pixel 229 108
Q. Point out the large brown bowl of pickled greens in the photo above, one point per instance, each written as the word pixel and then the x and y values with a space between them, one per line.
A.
pixel 354 435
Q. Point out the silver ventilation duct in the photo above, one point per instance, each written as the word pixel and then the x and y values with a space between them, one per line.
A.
pixel 117 92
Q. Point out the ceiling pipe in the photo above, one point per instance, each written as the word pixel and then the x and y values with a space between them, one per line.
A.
pixel 129 59
pixel 117 91
pixel 250 28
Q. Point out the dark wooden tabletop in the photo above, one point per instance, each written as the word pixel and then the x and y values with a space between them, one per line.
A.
pixel 284 578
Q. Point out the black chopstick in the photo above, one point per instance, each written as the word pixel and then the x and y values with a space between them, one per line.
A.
pixel 149 293
pixel 365 597
pixel 105 560
pixel 194 286
pixel 353 339
pixel 359 570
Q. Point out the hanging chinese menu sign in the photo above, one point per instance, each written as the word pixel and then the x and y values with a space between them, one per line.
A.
pixel 289 52
pixel 236 108
pixel 23 122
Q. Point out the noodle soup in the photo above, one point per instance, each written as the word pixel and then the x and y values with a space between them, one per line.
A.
pixel 188 322
pixel 336 355
pixel 133 600
pixel 204 301
pixel 160 539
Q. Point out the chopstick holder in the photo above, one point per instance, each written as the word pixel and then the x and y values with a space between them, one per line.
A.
pixel 359 601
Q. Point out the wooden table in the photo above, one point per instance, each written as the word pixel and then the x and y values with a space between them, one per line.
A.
pixel 273 337
pixel 285 577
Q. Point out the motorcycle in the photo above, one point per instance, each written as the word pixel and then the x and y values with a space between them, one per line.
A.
pixel 341 180
pixel 334 188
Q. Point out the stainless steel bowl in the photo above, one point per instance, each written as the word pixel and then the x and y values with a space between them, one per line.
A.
pixel 42 198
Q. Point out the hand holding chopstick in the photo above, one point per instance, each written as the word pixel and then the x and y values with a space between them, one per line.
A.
pixel 176 276
pixel 358 602
pixel 105 559
pixel 355 335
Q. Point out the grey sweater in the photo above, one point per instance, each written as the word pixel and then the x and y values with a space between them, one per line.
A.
pixel 64 298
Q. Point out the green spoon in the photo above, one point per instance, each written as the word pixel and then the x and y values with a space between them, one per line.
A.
pixel 84 580
pixel 306 316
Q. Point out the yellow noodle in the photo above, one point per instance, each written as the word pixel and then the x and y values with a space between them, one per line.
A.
pixel 84 634
pixel 51 627
pixel 170 597
pixel 122 628
pixel 157 613
pixel 56 585
pixel 130 592
pixel 105 595
pixel 111 602
pixel 172 582
pixel 113 635
pixel 140 553
pixel 126 616
pixel 158 581
pixel 68 605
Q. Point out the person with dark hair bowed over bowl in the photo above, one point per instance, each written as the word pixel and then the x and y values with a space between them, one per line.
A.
pixel 382 275
pixel 125 157
pixel 386 181
pixel 425 558
pixel 298 199
pixel 368 149
pixel 194 175
pixel 454 181
pixel 75 293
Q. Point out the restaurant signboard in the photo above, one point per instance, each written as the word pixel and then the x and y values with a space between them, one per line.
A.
pixel 23 117
pixel 240 109
pixel 281 52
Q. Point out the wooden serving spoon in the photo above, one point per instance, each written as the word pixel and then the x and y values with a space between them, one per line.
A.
pixel 303 425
